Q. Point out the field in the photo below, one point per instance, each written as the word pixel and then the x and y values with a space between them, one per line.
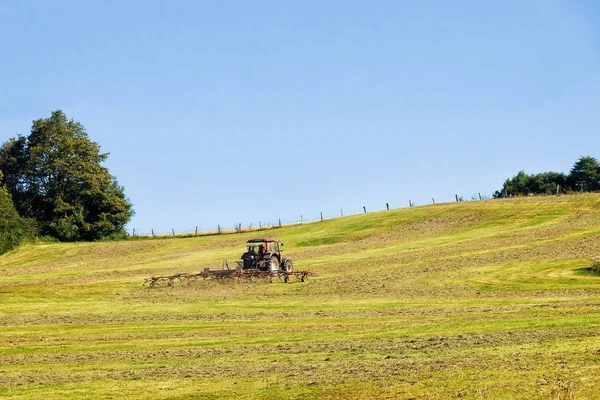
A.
pixel 473 300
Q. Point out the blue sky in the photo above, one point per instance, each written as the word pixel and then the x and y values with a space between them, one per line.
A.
pixel 237 111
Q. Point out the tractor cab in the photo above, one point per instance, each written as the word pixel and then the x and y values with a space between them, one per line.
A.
pixel 265 255
pixel 264 248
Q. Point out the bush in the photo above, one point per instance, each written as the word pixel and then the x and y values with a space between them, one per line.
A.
pixel 13 229
pixel 119 235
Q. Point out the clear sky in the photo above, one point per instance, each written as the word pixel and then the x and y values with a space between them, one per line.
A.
pixel 219 112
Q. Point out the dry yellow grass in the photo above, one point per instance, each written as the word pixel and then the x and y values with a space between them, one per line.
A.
pixel 472 300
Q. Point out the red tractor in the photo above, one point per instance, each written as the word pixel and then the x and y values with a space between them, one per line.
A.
pixel 265 255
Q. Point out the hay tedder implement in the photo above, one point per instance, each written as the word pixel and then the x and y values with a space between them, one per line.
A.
pixel 262 260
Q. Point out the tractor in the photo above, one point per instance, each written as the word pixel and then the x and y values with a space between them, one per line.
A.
pixel 262 260
pixel 265 255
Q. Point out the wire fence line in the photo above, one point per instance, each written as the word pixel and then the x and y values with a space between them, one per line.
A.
pixel 279 222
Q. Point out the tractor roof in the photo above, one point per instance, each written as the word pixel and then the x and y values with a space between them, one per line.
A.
pixel 267 240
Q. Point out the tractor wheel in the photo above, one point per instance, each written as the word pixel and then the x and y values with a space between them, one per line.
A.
pixel 288 266
pixel 274 264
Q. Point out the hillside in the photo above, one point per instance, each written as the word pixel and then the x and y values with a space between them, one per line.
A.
pixel 474 300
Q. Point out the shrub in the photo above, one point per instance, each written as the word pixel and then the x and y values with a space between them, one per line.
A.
pixel 13 229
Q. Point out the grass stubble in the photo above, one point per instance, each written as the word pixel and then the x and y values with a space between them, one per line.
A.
pixel 473 300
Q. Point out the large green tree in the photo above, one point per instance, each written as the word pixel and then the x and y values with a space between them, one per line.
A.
pixel 585 174
pixel 56 177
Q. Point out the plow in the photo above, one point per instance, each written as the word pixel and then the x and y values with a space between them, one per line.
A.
pixel 262 260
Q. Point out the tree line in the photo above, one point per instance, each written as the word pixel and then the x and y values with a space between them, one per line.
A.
pixel 53 184
pixel 583 177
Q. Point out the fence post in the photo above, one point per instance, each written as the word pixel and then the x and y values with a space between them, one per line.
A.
pixel 557 189
pixel 341 212
pixel 173 229
pixel 387 206
pixel 479 196
pixel 259 225
pixel 301 219
pixel 133 232
pixel 321 216
pixel 196 229
pixel 219 229
pixel 280 222
pixel 365 209
pixel 152 232
pixel 433 200
pixel 456 196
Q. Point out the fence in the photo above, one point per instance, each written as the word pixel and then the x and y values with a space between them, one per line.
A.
pixel 303 218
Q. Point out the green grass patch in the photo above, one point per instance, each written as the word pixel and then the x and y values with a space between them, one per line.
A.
pixel 494 299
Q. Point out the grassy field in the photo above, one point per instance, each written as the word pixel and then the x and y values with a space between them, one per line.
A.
pixel 473 300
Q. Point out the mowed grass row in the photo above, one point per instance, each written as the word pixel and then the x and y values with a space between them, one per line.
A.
pixel 474 300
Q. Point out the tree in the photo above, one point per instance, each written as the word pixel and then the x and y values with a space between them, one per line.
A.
pixel 55 177
pixel 585 175
pixel 517 186
pixel 525 185
pixel 13 228
pixel 547 182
